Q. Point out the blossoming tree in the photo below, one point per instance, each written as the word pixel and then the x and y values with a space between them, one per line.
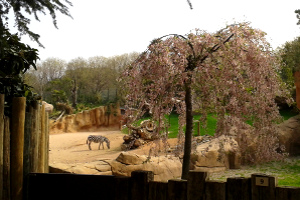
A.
pixel 231 73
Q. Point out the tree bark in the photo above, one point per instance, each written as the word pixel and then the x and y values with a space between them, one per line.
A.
pixel 188 131
pixel 74 94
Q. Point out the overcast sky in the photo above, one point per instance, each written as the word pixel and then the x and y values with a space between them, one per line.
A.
pixel 113 27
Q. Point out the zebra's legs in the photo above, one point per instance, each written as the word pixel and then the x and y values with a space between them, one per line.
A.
pixel 99 145
pixel 89 144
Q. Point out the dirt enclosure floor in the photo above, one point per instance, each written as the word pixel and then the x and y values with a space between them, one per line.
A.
pixel 71 148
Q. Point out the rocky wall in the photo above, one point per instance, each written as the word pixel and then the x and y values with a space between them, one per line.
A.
pixel 88 120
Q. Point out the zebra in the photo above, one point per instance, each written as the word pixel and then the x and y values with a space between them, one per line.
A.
pixel 97 139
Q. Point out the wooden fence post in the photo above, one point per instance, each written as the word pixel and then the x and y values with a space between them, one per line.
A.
pixel 122 188
pixel 196 185
pixel 17 146
pixel 6 160
pixel 41 148
pixel 27 136
pixel 26 158
pixel 177 189
pixel 215 190
pixel 140 184
pixel 263 187
pixel 1 144
pixel 290 193
pixel 239 188
pixel 158 190
pixel 34 109
pixel 46 161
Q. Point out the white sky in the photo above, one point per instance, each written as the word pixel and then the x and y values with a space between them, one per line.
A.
pixel 113 27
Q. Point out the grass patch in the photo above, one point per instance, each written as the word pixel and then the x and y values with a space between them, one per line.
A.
pixel 287 172
pixel 211 123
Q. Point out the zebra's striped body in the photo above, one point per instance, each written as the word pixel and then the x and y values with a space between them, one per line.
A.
pixel 97 139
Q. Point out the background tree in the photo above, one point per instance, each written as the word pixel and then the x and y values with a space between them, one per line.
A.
pixel 95 78
pixel 290 61
pixel 47 71
pixel 230 73
pixel 31 8
pixel 76 71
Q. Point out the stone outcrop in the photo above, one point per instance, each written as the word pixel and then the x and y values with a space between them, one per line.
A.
pixel 101 167
pixel 164 167
pixel 217 154
pixel 88 120
pixel 289 135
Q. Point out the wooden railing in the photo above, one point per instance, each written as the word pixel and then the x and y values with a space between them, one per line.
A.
pixel 140 186
pixel 24 139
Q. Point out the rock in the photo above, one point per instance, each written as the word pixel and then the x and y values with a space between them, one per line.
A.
pixel 96 167
pixel 164 167
pixel 289 135
pixel 131 159
pixel 219 153
pixel 48 107
pixel 89 120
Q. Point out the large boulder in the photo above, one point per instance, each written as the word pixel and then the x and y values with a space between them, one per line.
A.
pixel 217 154
pixel 164 167
pixel 101 167
pixel 289 135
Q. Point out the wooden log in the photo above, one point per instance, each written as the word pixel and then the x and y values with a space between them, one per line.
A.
pixel 263 187
pixel 215 190
pixel 46 170
pixel 1 143
pixel 196 185
pixel 140 184
pixel 177 189
pixel 34 109
pixel 6 160
pixel 41 148
pixel 158 190
pixel 290 193
pixel 26 161
pixel 17 146
pixel 122 188
pixel 239 188
pixel 27 136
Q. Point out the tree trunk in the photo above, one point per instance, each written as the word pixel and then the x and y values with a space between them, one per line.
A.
pixel 74 94
pixel 188 131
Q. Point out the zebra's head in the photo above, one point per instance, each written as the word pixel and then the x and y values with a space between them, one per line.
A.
pixel 108 144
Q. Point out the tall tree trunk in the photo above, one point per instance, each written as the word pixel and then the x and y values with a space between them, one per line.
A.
pixel 188 131
pixel 74 94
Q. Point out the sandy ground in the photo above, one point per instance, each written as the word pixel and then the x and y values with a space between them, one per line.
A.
pixel 71 148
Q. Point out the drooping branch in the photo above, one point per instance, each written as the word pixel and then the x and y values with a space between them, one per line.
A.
pixel 190 4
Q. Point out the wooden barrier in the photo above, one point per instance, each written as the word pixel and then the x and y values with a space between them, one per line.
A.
pixel 1 143
pixel 141 186
pixel 17 146
pixel 34 109
pixel 19 149
pixel 41 144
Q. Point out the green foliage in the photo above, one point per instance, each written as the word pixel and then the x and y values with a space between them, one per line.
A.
pixel 290 61
pixel 89 82
pixel 32 8
pixel 16 59
pixel 208 129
